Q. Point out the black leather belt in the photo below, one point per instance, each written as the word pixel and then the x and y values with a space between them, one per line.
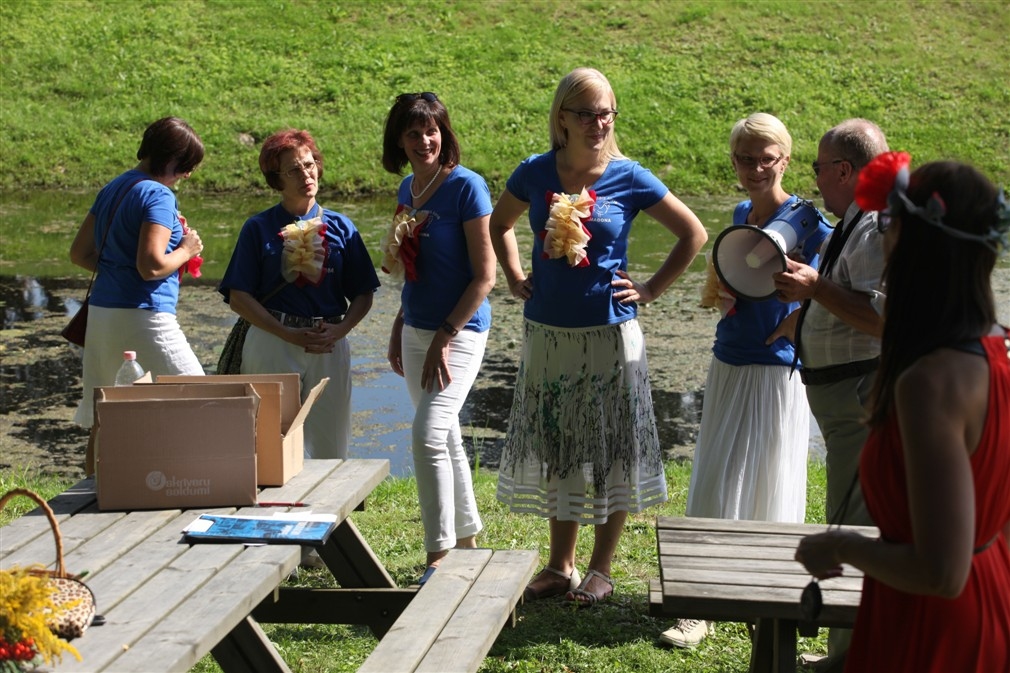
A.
pixel 289 320
pixel 835 373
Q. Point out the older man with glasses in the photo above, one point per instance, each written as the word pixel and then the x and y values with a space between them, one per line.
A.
pixel 837 330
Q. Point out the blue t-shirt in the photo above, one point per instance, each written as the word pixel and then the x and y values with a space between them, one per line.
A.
pixel 566 296
pixel 118 283
pixel 740 335
pixel 255 265
pixel 443 260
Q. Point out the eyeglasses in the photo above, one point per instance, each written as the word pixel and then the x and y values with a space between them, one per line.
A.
pixel 587 117
pixel 817 166
pixel 753 162
pixel 884 220
pixel 426 96
pixel 297 170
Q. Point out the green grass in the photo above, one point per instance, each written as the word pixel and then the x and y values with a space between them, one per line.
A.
pixel 79 80
pixel 618 635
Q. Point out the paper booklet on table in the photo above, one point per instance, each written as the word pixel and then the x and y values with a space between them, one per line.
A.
pixel 303 529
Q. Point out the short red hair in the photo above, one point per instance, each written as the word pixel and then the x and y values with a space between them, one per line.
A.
pixel 278 144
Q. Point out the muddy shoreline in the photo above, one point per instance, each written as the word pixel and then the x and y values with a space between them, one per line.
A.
pixel 40 373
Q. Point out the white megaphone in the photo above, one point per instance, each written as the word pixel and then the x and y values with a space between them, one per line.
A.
pixel 746 256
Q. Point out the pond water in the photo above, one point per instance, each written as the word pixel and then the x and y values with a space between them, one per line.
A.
pixel 32 265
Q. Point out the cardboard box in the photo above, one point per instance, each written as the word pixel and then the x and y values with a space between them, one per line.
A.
pixel 280 449
pixel 176 446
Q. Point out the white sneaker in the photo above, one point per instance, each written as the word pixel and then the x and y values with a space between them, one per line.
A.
pixel 685 633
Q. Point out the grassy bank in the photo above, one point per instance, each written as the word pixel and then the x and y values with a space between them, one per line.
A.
pixel 617 636
pixel 80 80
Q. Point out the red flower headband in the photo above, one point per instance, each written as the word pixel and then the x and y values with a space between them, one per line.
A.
pixel 883 186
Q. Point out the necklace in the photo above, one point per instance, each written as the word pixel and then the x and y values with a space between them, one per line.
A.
pixel 430 183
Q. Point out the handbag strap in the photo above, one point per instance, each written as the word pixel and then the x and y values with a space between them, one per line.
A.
pixel 60 569
pixel 105 237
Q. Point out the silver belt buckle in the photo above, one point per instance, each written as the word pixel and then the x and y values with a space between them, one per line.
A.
pixel 317 321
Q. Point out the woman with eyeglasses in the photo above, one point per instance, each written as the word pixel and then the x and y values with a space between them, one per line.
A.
pixel 439 243
pixel 750 458
pixel 301 276
pixel 582 446
pixel 935 469
pixel 137 243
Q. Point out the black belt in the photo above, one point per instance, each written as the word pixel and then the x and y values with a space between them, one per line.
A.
pixel 289 320
pixel 836 373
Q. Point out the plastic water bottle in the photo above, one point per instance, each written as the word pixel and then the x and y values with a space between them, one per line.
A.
pixel 130 370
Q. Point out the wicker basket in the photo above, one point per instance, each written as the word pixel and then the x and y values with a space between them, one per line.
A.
pixel 73 600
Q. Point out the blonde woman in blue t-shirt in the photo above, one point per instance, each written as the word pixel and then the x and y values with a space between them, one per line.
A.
pixel 582 446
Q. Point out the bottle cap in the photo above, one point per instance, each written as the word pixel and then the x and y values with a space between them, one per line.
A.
pixel 129 355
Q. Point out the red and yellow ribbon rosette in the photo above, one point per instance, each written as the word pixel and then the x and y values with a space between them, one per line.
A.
pixel 304 256
pixel 566 234
pixel 401 245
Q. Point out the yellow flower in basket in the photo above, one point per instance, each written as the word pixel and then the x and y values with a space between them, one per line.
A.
pixel 27 611
pixel 304 253
pixel 566 235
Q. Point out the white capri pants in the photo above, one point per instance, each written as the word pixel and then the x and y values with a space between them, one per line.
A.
pixel 444 484
pixel 327 428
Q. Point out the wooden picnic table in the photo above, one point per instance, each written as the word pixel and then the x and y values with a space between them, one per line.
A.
pixel 729 570
pixel 167 602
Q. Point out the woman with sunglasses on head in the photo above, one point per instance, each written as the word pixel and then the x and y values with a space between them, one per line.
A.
pixel 137 243
pixel 302 277
pixel 438 240
pixel 936 467
pixel 750 458
pixel 582 446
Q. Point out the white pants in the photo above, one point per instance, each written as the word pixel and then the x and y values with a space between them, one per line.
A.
pixel 328 426
pixel 444 483
pixel 160 344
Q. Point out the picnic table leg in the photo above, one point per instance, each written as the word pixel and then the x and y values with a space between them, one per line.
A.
pixel 352 561
pixel 246 649
pixel 774 647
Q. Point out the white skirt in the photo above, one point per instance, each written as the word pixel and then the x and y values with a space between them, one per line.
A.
pixel 582 441
pixel 161 348
pixel 750 461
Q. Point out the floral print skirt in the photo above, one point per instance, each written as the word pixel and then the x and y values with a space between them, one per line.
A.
pixel 582 440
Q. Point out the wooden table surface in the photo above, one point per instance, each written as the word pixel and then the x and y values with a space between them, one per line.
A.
pixel 167 603
pixel 727 570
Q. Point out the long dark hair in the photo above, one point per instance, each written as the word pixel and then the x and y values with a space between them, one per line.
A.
pixel 939 290
pixel 408 110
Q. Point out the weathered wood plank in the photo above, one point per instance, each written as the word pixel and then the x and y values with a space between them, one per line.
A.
pixel 408 640
pixel 33 524
pixel 745 526
pixel 474 626
pixel 746 579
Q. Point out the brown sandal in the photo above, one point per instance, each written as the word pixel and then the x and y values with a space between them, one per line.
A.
pixel 584 598
pixel 551 590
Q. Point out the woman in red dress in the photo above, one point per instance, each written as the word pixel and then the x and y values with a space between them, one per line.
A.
pixel 936 467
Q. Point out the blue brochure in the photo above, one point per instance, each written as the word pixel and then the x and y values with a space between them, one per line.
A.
pixel 303 530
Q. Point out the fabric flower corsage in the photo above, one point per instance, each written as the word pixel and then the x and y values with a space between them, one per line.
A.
pixel 714 294
pixel 402 243
pixel 304 255
pixel 566 234
pixel 192 267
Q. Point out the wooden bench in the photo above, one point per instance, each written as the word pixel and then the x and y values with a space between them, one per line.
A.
pixel 726 570
pixel 454 619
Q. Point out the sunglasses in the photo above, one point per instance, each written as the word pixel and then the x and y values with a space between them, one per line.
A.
pixel 426 96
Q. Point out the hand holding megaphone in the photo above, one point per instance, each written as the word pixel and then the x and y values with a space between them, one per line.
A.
pixel 797 283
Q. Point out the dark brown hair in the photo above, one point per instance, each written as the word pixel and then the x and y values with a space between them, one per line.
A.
pixel 939 290
pixel 278 144
pixel 408 110
pixel 168 139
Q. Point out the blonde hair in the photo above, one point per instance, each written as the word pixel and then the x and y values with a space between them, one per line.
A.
pixel 572 86
pixel 763 126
